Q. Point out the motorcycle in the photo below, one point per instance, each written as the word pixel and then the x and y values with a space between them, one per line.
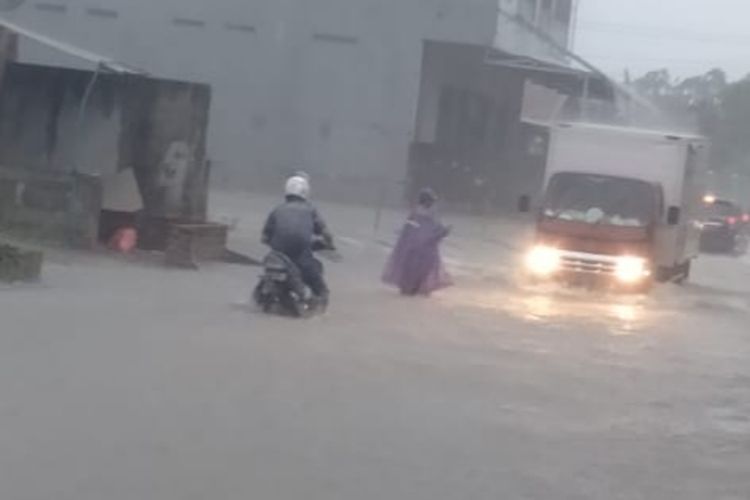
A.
pixel 281 289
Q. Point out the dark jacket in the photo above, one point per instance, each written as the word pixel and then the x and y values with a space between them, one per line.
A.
pixel 292 227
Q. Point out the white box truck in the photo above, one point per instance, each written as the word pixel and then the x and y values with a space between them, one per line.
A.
pixel 620 206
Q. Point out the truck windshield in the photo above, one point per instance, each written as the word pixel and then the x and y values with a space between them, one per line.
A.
pixel 599 199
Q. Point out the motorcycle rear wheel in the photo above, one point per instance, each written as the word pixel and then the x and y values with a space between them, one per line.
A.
pixel 294 307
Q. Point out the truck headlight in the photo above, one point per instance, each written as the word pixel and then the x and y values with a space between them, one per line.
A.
pixel 631 269
pixel 543 260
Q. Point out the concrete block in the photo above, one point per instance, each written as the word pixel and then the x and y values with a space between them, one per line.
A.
pixel 190 244
pixel 17 264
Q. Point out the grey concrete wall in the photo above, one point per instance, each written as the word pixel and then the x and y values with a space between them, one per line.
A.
pixel 329 85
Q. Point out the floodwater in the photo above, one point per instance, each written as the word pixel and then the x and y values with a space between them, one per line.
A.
pixel 120 379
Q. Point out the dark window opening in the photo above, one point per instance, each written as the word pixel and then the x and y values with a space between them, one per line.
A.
pixel 102 12
pixel 332 38
pixel 190 23
pixel 52 7
pixel 243 28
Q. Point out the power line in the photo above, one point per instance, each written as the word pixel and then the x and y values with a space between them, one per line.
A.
pixel 651 32
pixel 640 59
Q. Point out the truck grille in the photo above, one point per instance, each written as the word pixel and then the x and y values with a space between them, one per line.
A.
pixel 587 263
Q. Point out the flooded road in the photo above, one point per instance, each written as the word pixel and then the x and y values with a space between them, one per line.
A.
pixel 124 380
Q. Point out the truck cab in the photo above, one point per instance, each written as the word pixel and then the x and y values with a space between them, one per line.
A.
pixel 619 207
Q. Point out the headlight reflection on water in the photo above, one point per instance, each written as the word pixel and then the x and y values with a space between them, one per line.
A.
pixel 540 308
pixel 621 315
pixel 612 311
pixel 627 312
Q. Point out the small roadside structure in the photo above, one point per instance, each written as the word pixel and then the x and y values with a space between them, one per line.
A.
pixel 84 153
pixel 17 264
pixel 60 155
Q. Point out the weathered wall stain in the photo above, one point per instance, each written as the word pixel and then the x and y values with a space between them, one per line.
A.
pixel 173 171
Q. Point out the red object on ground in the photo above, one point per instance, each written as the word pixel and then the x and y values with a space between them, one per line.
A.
pixel 125 240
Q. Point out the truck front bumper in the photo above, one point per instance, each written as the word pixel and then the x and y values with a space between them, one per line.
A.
pixel 586 268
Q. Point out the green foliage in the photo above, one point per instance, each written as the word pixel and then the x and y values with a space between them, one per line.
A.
pixel 732 137
pixel 714 106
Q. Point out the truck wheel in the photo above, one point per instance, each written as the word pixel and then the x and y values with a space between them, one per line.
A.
pixel 740 246
pixel 684 273
pixel 663 275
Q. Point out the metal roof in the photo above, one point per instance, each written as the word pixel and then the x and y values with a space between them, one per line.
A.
pixel 99 60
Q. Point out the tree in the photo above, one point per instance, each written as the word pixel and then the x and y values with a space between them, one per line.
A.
pixel 654 84
pixel 694 102
pixel 732 137
pixel 708 104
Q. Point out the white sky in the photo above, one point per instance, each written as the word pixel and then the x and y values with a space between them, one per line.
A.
pixel 686 36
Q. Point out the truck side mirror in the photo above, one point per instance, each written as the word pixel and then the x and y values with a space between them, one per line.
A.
pixel 524 204
pixel 673 216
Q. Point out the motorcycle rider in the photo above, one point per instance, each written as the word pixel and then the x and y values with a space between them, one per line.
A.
pixel 292 229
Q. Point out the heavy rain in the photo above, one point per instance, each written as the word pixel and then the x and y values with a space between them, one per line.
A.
pixel 366 249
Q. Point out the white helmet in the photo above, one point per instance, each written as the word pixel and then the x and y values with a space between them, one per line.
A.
pixel 303 174
pixel 297 186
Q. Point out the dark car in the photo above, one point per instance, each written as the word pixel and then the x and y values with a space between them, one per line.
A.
pixel 724 228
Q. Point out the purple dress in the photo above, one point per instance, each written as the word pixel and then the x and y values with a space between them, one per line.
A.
pixel 415 266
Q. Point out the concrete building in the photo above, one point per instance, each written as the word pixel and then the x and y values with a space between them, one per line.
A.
pixel 556 18
pixel 332 86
